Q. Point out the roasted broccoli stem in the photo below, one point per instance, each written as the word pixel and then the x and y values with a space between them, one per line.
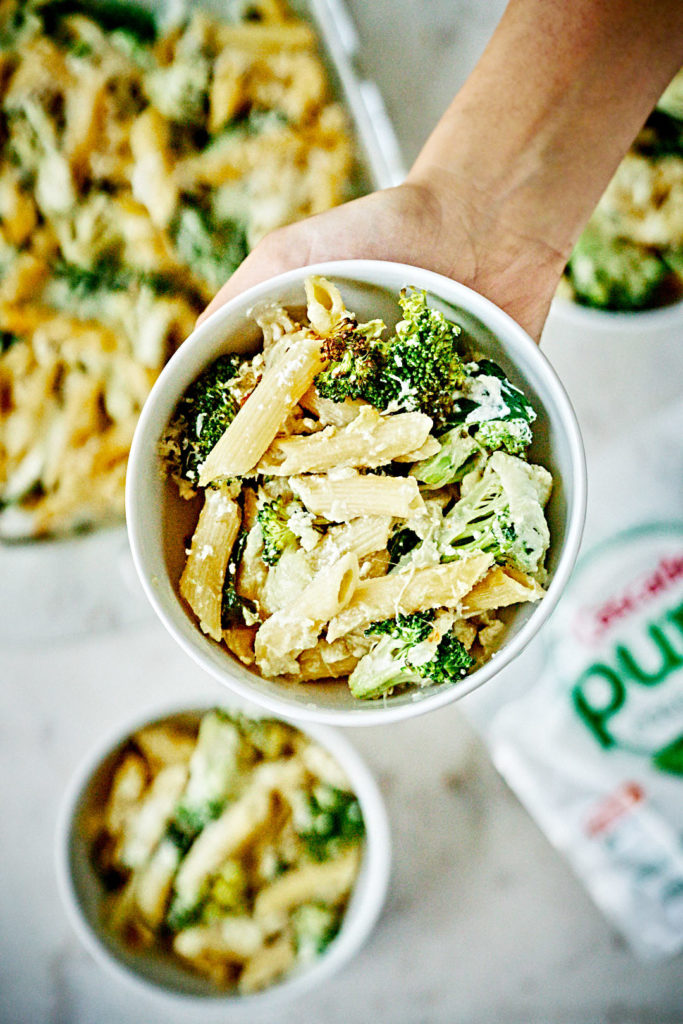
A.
pixel 410 650
pixel 273 519
pixel 201 418
pixel 501 514
pixel 615 274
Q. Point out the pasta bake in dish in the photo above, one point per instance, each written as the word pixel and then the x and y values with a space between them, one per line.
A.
pixel 231 845
pixel 138 167
pixel 368 509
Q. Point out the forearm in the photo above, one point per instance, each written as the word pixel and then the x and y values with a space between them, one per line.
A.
pixel 534 136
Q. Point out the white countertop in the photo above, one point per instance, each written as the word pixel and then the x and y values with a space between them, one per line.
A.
pixel 484 922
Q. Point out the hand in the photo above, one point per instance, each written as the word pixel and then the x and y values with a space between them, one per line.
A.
pixel 427 226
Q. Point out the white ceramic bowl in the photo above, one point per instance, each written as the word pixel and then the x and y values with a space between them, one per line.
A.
pixel 159 975
pixel 159 520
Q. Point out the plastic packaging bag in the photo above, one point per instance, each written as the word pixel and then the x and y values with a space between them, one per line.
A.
pixel 592 737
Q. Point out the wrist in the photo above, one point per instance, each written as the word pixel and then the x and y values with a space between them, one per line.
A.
pixel 484 240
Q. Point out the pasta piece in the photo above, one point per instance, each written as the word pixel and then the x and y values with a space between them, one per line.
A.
pixel 150 887
pixel 327 882
pixel 233 830
pixel 201 583
pixel 345 497
pixel 257 422
pixel 151 178
pixel 500 587
pixel 234 937
pixel 265 39
pixel 429 448
pixel 402 593
pixel 325 661
pixel 146 826
pixel 297 627
pixel 240 640
pixel 364 535
pixel 127 788
pixel 329 413
pixel 370 440
pixel 267 965
pixel 165 744
pixel 324 305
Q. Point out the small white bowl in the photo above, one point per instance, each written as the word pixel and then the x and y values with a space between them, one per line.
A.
pixel 159 520
pixel 159 974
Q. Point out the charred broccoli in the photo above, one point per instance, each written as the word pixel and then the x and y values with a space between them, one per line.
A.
pixel 419 368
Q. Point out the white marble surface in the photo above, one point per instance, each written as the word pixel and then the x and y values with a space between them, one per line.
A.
pixel 484 922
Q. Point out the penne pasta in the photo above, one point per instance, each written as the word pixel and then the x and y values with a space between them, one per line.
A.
pixel 336 414
pixel 201 583
pixel 439 586
pixel 324 305
pixel 499 588
pixel 342 498
pixel 296 628
pixel 370 440
pixel 259 419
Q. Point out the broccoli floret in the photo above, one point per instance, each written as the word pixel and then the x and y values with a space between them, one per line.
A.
pixel 355 367
pixel 615 274
pixel 273 518
pixel 106 275
pixel 226 894
pixel 422 367
pixel 212 249
pixel 451 662
pixel 407 629
pixel 514 436
pixel 419 368
pixel 201 418
pixel 458 455
pixel 334 821
pixel 409 651
pixel 502 514
pixel 315 926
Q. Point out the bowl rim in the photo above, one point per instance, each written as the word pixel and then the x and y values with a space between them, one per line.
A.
pixel 512 336
pixel 354 932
